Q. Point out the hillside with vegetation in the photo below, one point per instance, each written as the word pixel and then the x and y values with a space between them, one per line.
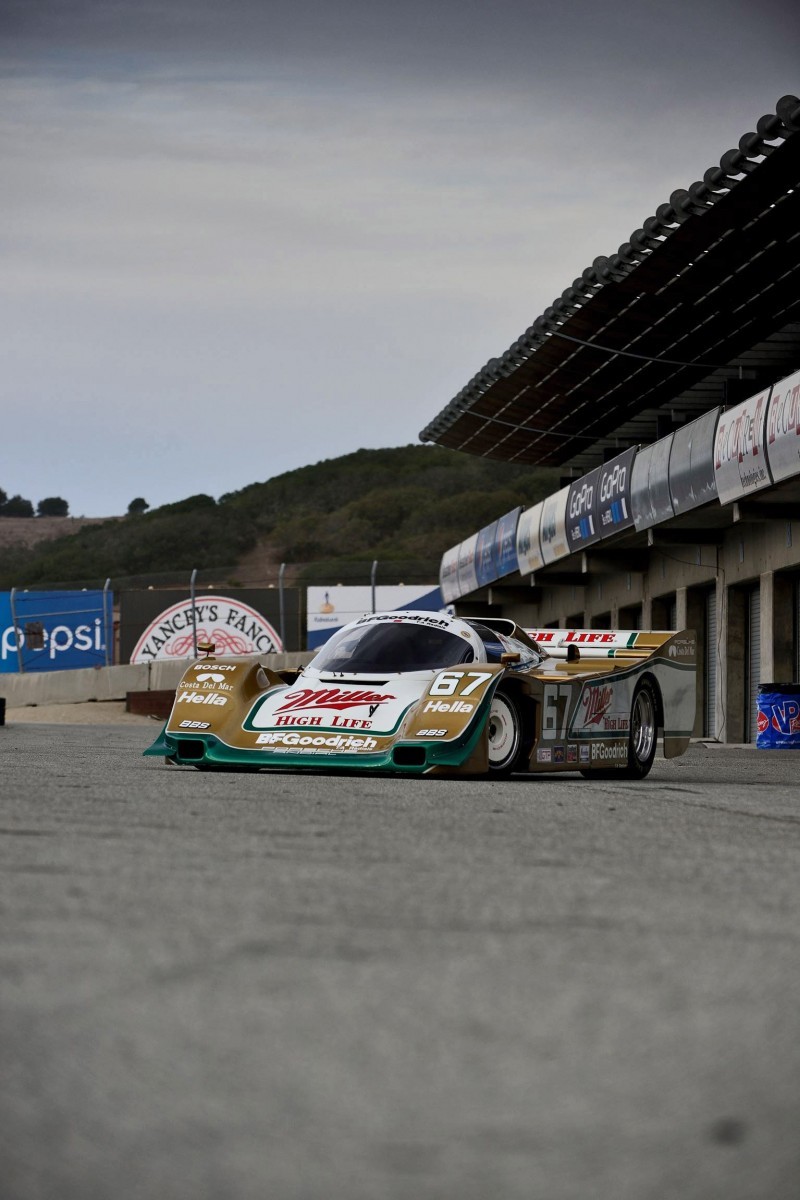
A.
pixel 405 505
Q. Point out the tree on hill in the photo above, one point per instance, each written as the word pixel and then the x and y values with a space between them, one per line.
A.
pixel 407 503
pixel 137 506
pixel 16 507
pixel 52 506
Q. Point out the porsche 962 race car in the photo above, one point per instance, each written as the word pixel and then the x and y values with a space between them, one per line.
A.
pixel 423 693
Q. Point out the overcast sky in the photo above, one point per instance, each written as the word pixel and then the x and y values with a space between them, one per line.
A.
pixel 242 237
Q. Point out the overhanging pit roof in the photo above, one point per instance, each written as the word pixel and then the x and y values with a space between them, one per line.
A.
pixel 704 295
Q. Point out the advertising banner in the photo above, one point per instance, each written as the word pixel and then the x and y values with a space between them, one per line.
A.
pixel 553 529
pixel 330 608
pixel 485 565
pixel 613 511
pixel 740 461
pixel 529 550
pixel 650 498
pixel 57 630
pixel 581 525
pixel 467 569
pixel 783 429
pixel 505 546
pixel 163 625
pixel 692 481
pixel 448 575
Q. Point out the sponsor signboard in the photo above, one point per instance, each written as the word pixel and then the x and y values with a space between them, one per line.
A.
pixel 740 461
pixel 692 481
pixel 230 623
pixel 467 570
pixel 553 529
pixel 485 566
pixel 613 511
pixel 330 608
pixel 529 550
pixel 505 545
pixel 448 575
pixel 783 429
pixel 57 630
pixel 650 498
pixel 581 524
pixel 496 549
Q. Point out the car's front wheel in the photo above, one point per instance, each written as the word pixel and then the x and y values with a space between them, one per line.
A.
pixel 506 734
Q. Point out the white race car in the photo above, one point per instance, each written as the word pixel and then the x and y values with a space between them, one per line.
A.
pixel 423 693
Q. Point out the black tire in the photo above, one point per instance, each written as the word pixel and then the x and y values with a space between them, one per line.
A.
pixel 506 735
pixel 642 738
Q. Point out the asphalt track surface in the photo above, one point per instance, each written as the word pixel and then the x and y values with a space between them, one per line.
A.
pixel 238 986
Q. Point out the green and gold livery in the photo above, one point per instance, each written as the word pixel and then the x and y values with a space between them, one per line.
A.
pixel 426 693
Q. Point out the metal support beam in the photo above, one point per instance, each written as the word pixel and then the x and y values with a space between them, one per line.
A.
pixel 684 537
pixel 756 510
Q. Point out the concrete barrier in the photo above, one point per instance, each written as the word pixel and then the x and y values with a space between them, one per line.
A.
pixel 112 683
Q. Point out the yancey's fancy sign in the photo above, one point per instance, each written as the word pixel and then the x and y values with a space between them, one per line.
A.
pixel 233 627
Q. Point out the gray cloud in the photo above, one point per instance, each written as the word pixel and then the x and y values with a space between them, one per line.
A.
pixel 219 219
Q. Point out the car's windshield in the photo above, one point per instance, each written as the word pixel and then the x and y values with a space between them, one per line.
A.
pixel 393 646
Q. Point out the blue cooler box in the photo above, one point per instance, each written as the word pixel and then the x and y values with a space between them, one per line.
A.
pixel 778 716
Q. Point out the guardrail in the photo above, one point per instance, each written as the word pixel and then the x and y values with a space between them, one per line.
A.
pixel 112 683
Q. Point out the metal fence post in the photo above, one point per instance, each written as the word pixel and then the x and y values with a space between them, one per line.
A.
pixel 372 580
pixel 281 610
pixel 20 661
pixel 192 594
pixel 108 625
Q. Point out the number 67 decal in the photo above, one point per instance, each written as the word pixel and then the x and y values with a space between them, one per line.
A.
pixel 448 683
pixel 555 694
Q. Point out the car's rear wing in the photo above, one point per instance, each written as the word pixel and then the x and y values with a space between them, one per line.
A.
pixel 599 643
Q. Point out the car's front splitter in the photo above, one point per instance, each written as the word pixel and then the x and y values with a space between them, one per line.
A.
pixel 205 751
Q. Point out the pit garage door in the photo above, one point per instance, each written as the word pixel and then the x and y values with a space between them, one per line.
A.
pixel 710 667
pixel 752 662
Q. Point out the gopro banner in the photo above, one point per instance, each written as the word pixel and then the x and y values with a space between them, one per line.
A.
pixel 613 501
pixel 55 631
pixel 581 522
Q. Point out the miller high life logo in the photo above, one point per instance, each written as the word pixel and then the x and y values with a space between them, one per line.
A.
pixel 337 698
pixel 596 703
